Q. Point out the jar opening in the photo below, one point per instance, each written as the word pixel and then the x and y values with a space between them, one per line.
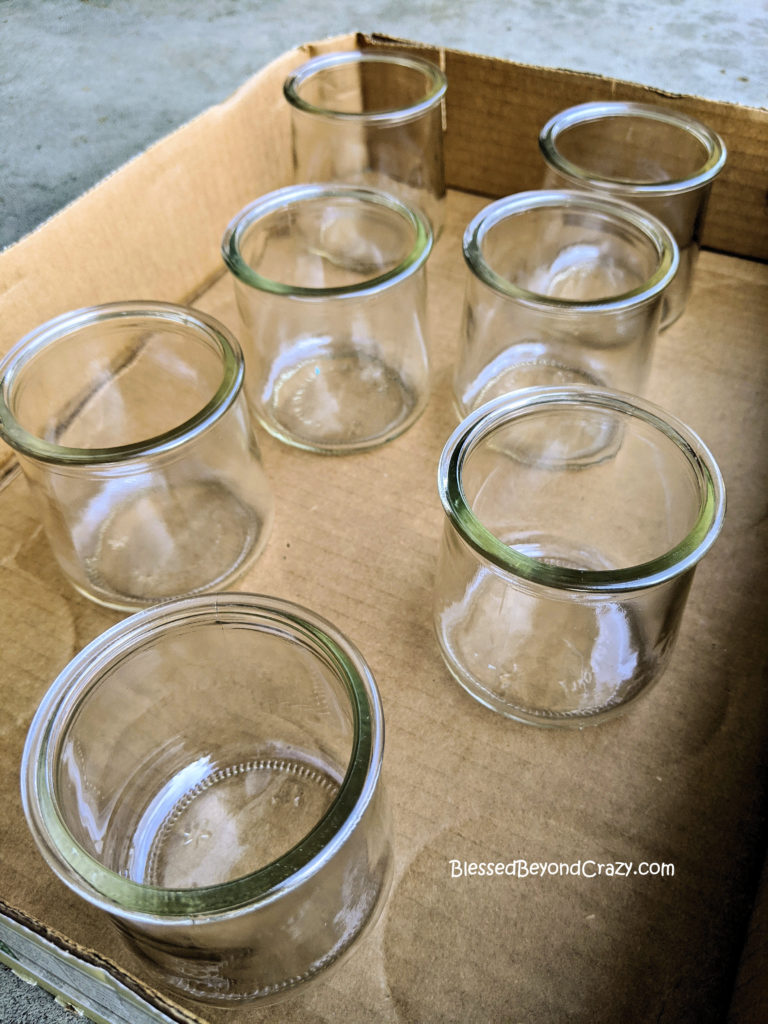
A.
pixel 632 146
pixel 366 87
pixel 203 808
pixel 568 250
pixel 581 489
pixel 323 242
pixel 148 376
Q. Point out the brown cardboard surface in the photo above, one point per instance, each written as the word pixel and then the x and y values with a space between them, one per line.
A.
pixel 750 996
pixel 679 779
pixel 495 110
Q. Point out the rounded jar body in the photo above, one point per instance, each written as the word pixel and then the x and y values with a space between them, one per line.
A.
pixel 208 773
pixel 131 427
pixel 576 518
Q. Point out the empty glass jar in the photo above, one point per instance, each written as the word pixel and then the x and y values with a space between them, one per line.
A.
pixel 371 118
pixel 561 288
pixel 207 772
pixel 652 156
pixel 575 520
pixel 131 426
pixel 331 284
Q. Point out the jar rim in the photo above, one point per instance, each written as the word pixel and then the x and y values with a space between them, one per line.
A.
pixel 56 329
pixel 480 423
pixel 392 116
pixel 283 198
pixel 656 233
pixel 122 897
pixel 584 113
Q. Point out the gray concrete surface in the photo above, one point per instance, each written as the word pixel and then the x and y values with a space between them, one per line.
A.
pixel 24 1003
pixel 86 84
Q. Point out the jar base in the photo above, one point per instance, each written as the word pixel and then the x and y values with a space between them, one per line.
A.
pixel 542 661
pixel 236 819
pixel 169 541
pixel 338 400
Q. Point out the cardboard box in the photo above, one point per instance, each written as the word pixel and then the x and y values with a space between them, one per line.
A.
pixel 679 780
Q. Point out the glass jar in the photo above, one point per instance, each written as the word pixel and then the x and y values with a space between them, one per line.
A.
pixel 207 772
pixel 561 288
pixel 371 118
pixel 331 284
pixel 575 519
pixel 131 428
pixel 654 157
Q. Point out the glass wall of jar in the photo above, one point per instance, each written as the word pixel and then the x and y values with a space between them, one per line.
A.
pixel 561 288
pixel 130 424
pixel 207 772
pixel 371 118
pixel 331 285
pixel 575 520
pixel 652 156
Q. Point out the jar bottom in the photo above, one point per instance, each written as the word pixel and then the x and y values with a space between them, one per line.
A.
pixel 171 540
pixel 338 399
pixel 186 822
pixel 524 365
pixel 215 820
pixel 238 818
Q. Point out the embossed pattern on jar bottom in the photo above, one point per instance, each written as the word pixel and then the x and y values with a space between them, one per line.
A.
pixel 235 820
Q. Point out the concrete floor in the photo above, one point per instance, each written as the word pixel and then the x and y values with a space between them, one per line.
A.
pixel 86 84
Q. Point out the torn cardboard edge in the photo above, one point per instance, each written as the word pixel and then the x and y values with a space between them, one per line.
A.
pixel 379 39
pixel 91 983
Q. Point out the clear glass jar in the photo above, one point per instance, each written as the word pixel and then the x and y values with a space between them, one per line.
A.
pixel 371 118
pixel 130 425
pixel 207 772
pixel 561 288
pixel 575 520
pixel 331 285
pixel 657 158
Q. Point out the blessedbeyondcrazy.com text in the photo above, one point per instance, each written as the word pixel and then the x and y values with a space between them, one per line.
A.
pixel 520 868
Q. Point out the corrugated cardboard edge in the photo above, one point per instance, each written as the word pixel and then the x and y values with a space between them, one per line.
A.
pixel 90 982
pixel 379 39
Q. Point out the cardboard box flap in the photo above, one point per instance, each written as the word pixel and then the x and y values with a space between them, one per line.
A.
pixel 153 228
